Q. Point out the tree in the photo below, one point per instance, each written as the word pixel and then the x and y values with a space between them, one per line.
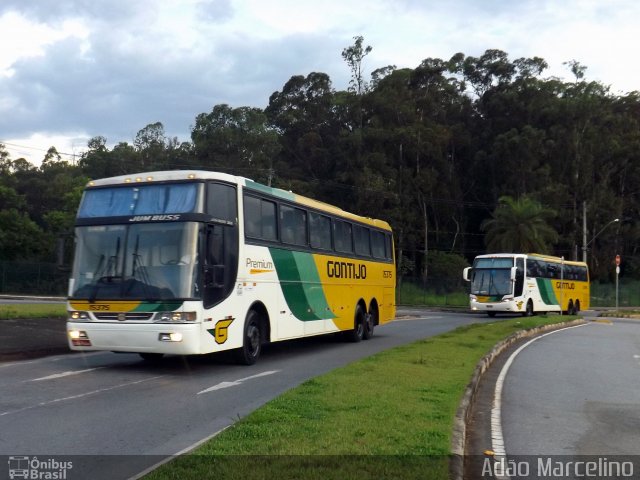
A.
pixel 235 140
pixel 354 55
pixel 519 226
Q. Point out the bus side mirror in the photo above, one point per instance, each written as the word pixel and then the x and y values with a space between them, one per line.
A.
pixel 64 251
pixel 466 274
pixel 514 271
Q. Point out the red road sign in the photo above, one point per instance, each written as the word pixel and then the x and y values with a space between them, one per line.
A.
pixel 617 260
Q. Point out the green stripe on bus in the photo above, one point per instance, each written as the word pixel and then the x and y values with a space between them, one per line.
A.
pixel 301 285
pixel 276 192
pixel 158 306
pixel 546 291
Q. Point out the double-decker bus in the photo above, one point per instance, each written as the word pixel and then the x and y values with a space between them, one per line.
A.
pixel 195 262
pixel 519 283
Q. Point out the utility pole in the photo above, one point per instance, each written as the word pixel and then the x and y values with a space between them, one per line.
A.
pixel 584 231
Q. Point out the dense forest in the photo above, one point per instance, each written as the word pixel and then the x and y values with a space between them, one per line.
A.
pixel 437 151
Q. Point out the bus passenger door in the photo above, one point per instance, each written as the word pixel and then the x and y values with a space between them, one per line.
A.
pixel 519 284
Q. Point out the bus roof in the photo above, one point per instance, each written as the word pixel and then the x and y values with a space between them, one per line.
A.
pixel 146 178
pixel 539 256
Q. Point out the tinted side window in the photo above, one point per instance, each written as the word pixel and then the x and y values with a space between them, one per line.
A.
pixel 221 202
pixel 377 244
pixel 260 218
pixel 388 247
pixel 252 226
pixel 342 236
pixel 361 240
pixel 320 231
pixel 293 223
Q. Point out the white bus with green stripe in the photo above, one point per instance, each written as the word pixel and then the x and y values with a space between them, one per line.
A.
pixel 195 262
pixel 527 284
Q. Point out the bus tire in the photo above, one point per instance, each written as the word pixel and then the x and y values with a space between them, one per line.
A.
pixel 357 334
pixel 570 309
pixel 529 312
pixel 371 320
pixel 151 357
pixel 251 340
pixel 576 307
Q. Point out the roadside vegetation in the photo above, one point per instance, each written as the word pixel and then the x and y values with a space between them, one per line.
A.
pixel 387 416
pixel 32 310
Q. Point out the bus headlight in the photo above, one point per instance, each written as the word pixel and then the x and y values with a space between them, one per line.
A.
pixel 79 338
pixel 175 317
pixel 170 337
pixel 76 315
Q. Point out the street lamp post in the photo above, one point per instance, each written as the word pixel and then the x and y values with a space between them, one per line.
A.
pixel 586 244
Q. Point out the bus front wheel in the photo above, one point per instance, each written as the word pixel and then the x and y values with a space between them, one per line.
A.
pixel 529 311
pixel 151 357
pixel 251 340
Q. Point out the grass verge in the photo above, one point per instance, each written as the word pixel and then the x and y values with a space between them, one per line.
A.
pixel 411 294
pixel 386 416
pixel 32 310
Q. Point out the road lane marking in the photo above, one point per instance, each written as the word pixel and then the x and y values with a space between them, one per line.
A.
pixel 412 318
pixel 497 437
pixel 235 383
pixel 64 374
pixel 80 395
pixel 184 451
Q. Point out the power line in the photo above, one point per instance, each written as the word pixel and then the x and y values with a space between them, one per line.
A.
pixel 28 147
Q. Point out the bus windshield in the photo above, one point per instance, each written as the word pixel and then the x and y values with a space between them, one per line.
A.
pixel 491 281
pixel 139 200
pixel 150 261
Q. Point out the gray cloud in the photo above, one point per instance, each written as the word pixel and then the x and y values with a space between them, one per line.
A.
pixel 115 90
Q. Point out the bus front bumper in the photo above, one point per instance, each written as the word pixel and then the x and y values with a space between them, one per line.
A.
pixel 509 306
pixel 177 339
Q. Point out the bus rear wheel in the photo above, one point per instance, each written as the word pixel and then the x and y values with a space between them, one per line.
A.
pixel 371 320
pixel 251 340
pixel 359 319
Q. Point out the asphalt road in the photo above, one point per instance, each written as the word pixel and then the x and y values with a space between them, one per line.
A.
pixel 575 392
pixel 117 415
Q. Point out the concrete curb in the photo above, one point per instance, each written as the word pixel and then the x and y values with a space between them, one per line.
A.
pixel 459 434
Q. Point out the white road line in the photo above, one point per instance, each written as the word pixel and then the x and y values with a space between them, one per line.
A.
pixel 235 383
pixel 497 438
pixel 64 374
pixel 184 451
pixel 410 319
pixel 81 395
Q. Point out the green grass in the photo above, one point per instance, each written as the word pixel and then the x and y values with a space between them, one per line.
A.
pixel 412 294
pixel 32 310
pixel 392 412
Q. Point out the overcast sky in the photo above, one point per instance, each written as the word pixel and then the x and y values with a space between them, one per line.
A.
pixel 74 69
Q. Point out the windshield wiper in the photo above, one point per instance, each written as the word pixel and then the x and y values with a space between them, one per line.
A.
pixel 100 277
pixel 139 269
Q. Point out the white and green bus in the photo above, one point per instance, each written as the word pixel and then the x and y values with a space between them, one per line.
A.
pixel 520 283
pixel 195 262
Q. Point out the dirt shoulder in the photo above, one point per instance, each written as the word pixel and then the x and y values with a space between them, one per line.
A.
pixel 22 338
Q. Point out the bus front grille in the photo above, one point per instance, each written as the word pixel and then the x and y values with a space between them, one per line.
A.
pixel 124 316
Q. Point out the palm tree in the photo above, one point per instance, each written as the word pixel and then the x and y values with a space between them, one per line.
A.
pixel 519 226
